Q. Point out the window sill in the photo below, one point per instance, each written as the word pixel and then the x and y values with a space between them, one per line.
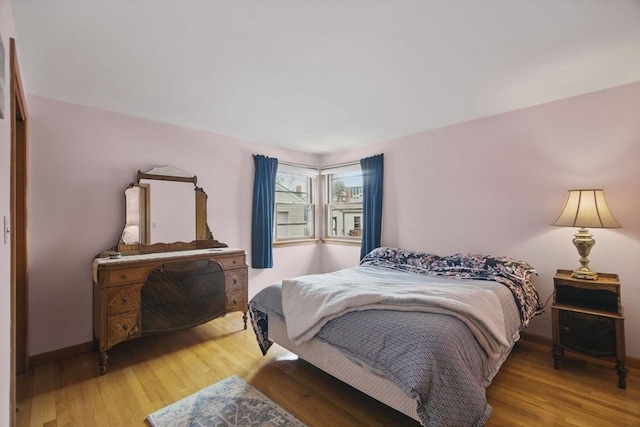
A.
pixel 283 243
pixel 338 241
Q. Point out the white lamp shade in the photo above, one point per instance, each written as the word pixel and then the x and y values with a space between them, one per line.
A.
pixel 586 209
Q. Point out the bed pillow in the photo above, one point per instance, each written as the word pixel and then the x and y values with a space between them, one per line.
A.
pixel 400 259
pixel 473 264
pixel 513 273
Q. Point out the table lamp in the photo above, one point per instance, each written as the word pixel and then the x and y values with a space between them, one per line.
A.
pixel 585 208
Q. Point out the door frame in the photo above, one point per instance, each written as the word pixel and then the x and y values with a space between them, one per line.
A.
pixel 18 212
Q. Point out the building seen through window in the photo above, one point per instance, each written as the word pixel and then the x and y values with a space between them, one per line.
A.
pixel 344 210
pixel 294 206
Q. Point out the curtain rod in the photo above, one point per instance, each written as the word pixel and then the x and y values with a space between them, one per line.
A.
pixel 339 165
pixel 299 165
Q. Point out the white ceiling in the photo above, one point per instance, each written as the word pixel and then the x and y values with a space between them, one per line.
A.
pixel 321 76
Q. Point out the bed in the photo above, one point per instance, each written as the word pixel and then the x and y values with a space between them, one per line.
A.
pixel 421 333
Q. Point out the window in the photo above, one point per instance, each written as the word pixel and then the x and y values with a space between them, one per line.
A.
pixel 294 204
pixel 344 203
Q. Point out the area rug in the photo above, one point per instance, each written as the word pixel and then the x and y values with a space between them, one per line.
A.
pixel 231 402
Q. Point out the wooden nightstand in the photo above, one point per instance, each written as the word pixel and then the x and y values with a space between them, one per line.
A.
pixel 588 318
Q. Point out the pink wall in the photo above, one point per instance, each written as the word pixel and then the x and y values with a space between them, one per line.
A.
pixel 491 185
pixel 81 161
pixel 495 185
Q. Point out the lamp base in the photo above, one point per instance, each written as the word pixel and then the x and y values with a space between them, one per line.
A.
pixel 584 273
pixel 583 241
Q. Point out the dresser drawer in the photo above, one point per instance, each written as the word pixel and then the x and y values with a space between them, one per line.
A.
pixel 123 327
pixel 228 263
pixel 123 276
pixel 236 301
pixel 587 333
pixel 236 290
pixel 235 278
pixel 123 298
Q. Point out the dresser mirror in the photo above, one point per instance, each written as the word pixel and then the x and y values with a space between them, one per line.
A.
pixel 165 210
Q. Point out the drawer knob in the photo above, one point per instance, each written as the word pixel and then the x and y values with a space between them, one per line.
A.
pixel 123 276
pixel 235 281
pixel 234 261
pixel 125 299
pixel 566 329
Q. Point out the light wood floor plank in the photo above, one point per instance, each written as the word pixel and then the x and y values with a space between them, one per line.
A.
pixel 43 406
pixel 152 372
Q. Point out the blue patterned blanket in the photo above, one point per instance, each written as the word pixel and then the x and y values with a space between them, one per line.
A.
pixel 309 302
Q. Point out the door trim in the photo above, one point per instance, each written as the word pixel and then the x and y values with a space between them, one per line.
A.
pixel 18 212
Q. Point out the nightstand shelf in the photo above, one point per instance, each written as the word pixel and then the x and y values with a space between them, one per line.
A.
pixel 588 318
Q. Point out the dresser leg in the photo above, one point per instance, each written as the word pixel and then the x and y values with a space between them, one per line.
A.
pixel 244 318
pixel 558 355
pixel 622 370
pixel 102 358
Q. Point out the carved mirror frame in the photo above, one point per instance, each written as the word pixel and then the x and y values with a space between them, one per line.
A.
pixel 203 237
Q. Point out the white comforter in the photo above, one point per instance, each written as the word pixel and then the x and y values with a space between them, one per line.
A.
pixel 309 302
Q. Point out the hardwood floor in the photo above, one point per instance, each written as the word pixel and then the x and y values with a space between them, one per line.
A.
pixel 150 373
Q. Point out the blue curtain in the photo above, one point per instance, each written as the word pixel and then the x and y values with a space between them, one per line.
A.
pixel 372 174
pixel 264 194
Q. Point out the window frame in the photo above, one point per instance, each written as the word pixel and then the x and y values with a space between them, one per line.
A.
pixel 328 219
pixel 311 175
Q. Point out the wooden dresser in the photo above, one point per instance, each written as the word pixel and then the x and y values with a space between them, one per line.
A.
pixel 143 294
